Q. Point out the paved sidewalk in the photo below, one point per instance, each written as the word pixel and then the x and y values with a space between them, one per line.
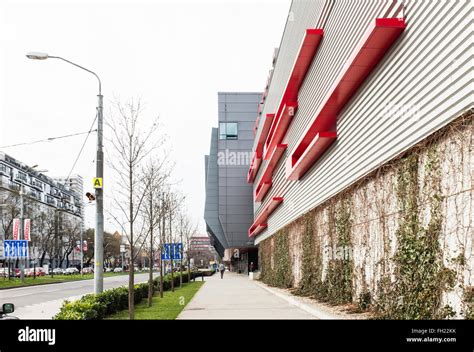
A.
pixel 237 297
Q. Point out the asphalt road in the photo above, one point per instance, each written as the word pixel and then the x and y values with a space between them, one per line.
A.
pixel 26 296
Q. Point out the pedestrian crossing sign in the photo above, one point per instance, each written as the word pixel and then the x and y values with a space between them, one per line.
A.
pixel 97 182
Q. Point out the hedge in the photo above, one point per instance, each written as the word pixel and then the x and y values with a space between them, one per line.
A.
pixel 97 307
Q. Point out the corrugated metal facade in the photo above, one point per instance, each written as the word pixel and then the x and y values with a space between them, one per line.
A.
pixel 423 83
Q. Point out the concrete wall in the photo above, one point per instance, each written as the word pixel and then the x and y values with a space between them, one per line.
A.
pixel 376 216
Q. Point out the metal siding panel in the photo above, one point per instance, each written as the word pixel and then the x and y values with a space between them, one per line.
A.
pixel 429 69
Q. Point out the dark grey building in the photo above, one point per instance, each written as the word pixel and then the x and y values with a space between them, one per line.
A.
pixel 229 202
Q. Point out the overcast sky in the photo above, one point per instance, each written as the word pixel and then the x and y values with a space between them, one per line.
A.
pixel 174 55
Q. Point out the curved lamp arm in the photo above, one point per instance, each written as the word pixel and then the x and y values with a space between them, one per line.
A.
pixel 85 69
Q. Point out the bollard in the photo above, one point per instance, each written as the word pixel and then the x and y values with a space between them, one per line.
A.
pixel 202 276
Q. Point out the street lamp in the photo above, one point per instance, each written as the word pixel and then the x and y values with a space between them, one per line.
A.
pixel 99 196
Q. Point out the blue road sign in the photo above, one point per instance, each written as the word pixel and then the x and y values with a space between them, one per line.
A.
pixel 171 251
pixel 15 249
pixel 177 250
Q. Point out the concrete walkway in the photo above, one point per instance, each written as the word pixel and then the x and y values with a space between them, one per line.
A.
pixel 237 297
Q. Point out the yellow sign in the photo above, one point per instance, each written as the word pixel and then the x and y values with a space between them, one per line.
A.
pixel 97 182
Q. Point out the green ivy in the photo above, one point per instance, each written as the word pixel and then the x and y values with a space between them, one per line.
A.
pixel 281 275
pixel 420 276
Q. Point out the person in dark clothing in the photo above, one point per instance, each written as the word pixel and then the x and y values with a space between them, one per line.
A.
pixel 251 267
pixel 222 269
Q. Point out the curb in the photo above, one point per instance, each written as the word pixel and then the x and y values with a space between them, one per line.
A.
pixel 297 303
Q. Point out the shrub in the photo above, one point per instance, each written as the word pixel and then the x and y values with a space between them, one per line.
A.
pixel 96 307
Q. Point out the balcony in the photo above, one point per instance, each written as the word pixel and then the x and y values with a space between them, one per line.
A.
pixel 51 200
pixel 20 177
pixel 36 184
pixel 4 170
pixel 321 132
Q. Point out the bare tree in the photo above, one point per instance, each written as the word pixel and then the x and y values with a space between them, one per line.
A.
pixel 155 177
pixel 186 230
pixel 132 142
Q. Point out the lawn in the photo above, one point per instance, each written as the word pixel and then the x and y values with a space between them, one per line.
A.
pixel 166 308
pixel 29 281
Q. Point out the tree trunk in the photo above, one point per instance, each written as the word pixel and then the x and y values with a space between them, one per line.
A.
pixel 150 278
pixel 131 278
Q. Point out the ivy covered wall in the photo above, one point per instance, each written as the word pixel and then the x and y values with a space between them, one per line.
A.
pixel 398 243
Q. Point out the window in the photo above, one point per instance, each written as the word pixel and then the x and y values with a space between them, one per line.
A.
pixel 5 170
pixel 228 130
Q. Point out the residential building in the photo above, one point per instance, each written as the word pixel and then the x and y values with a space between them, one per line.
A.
pixel 75 183
pixel 363 153
pixel 52 207
pixel 228 207
pixel 201 251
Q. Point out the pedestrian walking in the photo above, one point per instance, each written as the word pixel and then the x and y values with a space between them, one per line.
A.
pixel 222 269
pixel 252 267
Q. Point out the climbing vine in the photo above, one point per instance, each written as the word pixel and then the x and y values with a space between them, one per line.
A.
pixel 309 270
pixel 279 274
pixel 339 273
pixel 420 276
pixel 383 250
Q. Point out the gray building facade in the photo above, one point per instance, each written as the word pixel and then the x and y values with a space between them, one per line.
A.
pixel 229 202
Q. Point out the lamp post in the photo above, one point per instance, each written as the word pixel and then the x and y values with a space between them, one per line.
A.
pixel 99 196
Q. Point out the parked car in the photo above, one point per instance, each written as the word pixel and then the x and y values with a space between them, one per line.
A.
pixel 87 270
pixel 40 271
pixel 118 270
pixel 58 271
pixel 108 270
pixel 71 271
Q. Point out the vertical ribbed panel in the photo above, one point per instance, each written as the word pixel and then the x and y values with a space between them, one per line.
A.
pixel 424 82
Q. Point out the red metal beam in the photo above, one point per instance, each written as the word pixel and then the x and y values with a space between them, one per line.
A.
pixel 266 179
pixel 254 166
pixel 281 125
pixel 306 52
pixel 297 167
pixel 262 190
pixel 263 135
pixel 261 221
pixel 375 43
pixel 256 161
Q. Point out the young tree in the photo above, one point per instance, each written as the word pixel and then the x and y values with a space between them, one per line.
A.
pixel 132 142
pixel 155 177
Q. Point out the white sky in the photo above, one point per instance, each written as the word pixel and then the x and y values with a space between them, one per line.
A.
pixel 175 55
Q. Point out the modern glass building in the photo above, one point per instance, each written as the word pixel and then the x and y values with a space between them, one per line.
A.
pixel 228 208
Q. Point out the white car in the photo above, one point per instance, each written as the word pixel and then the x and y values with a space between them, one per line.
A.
pixel 71 271
pixel 58 271
pixel 118 270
